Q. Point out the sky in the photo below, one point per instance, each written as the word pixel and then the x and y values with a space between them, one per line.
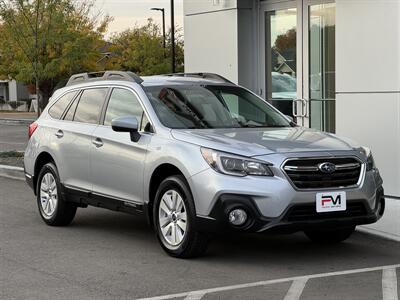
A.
pixel 128 12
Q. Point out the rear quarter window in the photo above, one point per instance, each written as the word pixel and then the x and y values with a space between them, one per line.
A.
pixel 58 108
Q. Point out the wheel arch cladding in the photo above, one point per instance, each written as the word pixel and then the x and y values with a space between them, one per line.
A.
pixel 42 159
pixel 162 172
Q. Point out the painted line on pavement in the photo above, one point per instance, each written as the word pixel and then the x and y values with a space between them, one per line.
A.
pixel 194 296
pixel 296 289
pixel 389 284
pixel 273 281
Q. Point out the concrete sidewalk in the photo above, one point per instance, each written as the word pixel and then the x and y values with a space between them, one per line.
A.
pixel 389 225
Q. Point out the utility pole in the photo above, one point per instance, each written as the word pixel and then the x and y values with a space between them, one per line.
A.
pixel 37 58
pixel 173 36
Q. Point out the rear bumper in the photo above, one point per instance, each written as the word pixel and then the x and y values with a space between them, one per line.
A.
pixel 359 212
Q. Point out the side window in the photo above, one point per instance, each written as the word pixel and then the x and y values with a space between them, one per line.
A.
pixel 123 103
pixel 145 124
pixel 59 107
pixel 69 116
pixel 90 106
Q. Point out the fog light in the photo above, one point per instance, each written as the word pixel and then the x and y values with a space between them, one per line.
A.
pixel 237 217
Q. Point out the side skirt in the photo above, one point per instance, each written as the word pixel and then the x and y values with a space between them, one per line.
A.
pixel 85 198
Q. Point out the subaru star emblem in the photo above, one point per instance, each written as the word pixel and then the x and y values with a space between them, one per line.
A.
pixel 327 168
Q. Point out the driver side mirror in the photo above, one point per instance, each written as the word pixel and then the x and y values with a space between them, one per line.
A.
pixel 127 124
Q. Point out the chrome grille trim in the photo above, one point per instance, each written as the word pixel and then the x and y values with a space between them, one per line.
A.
pixel 346 173
pixel 315 168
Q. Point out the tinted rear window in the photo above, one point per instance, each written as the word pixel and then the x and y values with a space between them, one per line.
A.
pixel 59 107
pixel 90 106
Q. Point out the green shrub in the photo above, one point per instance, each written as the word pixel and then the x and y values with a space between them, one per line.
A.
pixel 11 154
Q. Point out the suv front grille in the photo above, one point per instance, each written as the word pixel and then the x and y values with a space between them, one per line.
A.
pixel 307 174
pixel 307 212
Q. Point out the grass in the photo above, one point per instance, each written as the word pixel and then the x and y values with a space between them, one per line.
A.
pixel 8 154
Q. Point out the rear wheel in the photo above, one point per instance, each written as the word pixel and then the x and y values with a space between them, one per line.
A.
pixel 330 236
pixel 174 219
pixel 53 209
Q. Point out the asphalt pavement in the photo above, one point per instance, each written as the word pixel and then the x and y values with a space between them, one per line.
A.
pixel 13 137
pixel 109 255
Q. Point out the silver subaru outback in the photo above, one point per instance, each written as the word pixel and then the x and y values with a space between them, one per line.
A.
pixel 196 155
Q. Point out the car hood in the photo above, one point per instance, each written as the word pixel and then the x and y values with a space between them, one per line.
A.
pixel 264 141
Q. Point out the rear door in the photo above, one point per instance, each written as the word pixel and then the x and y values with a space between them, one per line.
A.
pixel 56 128
pixel 117 163
pixel 74 137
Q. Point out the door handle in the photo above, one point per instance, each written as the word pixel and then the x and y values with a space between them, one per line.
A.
pixel 59 134
pixel 98 142
pixel 303 108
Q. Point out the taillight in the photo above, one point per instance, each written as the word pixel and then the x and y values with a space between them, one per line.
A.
pixel 32 129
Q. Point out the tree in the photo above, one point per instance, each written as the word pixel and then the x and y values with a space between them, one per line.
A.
pixel 140 50
pixel 45 41
pixel 286 41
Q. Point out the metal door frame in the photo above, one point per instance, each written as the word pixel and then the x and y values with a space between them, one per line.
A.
pixel 301 104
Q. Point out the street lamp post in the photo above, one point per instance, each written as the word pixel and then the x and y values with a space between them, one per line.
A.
pixel 173 36
pixel 163 24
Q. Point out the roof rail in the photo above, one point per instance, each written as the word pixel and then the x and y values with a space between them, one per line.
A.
pixel 201 75
pixel 105 75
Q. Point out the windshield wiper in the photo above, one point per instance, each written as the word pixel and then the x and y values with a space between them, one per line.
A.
pixel 277 126
pixel 263 126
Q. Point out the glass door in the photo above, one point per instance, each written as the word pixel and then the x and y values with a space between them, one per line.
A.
pixel 281 83
pixel 281 56
pixel 298 60
pixel 321 77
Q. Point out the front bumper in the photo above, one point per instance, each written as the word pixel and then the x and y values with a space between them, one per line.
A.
pixel 274 205
pixel 297 217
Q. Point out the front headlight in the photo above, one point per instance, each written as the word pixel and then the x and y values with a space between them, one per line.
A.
pixel 235 165
pixel 370 159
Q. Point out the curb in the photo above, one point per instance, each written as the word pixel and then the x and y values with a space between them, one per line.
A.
pixel 379 233
pixel 12 172
pixel 16 121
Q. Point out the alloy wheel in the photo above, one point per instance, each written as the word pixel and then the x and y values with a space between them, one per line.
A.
pixel 48 195
pixel 172 217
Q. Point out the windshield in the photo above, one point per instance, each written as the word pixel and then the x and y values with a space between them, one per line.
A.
pixel 200 107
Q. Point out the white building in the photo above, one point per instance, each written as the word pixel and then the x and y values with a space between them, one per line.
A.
pixel 337 62
pixel 11 91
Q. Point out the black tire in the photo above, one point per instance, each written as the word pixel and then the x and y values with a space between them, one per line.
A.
pixel 194 243
pixel 330 236
pixel 64 211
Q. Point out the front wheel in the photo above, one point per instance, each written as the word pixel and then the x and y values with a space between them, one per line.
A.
pixel 174 218
pixel 53 209
pixel 330 236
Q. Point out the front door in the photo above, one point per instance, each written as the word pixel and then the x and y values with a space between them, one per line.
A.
pixel 117 163
pixel 298 60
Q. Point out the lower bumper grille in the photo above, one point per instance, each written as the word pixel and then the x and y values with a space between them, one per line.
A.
pixel 308 212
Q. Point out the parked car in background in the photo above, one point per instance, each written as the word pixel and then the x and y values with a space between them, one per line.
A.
pixel 195 154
